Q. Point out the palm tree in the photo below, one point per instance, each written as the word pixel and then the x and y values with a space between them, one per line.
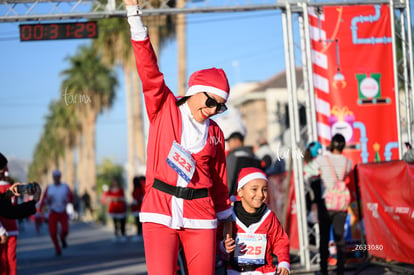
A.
pixel 114 42
pixel 66 128
pixel 42 160
pixel 55 147
pixel 89 85
pixel 47 151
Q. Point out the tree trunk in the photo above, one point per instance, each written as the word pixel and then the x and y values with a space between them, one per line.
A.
pixel 131 139
pixel 46 176
pixel 70 167
pixel 182 52
pixel 81 162
pixel 89 169
pixel 138 118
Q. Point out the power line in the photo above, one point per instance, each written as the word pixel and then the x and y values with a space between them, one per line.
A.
pixel 36 126
pixel 9 38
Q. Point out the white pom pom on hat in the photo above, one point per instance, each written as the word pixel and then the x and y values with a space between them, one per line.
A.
pixel 212 80
pixel 248 174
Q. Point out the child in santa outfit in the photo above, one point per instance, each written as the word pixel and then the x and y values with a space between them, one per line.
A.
pixel 186 178
pixel 115 198
pixel 257 232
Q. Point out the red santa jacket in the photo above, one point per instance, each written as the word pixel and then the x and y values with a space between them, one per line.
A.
pixel 116 202
pixel 9 224
pixel 165 128
pixel 277 241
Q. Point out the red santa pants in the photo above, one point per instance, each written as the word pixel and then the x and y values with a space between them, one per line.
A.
pixel 54 219
pixel 8 257
pixel 161 249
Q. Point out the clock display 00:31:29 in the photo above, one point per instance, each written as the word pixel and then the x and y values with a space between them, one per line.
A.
pixel 54 31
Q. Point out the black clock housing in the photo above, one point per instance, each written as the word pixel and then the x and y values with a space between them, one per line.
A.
pixel 55 31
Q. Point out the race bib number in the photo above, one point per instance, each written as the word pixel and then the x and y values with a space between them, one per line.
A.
pixel 181 161
pixel 254 248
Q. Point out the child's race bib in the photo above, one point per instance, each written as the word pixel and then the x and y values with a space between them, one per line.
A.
pixel 255 247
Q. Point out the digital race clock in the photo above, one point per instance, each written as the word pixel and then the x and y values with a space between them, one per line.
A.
pixel 34 32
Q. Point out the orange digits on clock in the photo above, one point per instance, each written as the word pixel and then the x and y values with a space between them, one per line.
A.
pixel 79 29
pixel 53 31
pixel 91 28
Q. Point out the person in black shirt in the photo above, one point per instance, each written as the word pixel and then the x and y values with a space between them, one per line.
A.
pixel 23 210
pixel 239 156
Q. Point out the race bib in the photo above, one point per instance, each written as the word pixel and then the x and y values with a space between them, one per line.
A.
pixel 255 248
pixel 181 161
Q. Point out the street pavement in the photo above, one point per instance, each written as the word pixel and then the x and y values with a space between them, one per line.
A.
pixel 91 251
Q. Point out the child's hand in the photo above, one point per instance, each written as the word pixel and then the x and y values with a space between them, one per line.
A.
pixel 229 244
pixel 282 271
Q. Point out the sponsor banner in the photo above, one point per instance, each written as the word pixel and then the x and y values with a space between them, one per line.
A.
pixel 387 192
pixel 354 79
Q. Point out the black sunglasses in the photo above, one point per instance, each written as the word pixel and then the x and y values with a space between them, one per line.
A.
pixel 211 103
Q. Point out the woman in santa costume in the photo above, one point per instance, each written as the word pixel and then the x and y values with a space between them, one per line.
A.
pixel 257 234
pixel 114 197
pixel 186 188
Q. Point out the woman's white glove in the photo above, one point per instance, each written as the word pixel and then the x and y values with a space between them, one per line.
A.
pixel 138 30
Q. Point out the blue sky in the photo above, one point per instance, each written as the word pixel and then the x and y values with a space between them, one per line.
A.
pixel 30 74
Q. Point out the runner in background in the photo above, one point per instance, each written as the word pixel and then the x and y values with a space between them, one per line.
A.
pixel 114 197
pixel 56 198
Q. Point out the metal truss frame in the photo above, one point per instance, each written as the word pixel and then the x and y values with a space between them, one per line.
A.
pixel 41 10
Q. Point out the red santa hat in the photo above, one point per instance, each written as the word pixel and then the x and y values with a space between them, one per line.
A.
pixel 211 80
pixel 248 174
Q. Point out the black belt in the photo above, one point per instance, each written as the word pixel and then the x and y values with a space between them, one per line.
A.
pixel 186 193
pixel 246 267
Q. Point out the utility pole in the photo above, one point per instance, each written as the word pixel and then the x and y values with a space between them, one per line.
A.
pixel 182 51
